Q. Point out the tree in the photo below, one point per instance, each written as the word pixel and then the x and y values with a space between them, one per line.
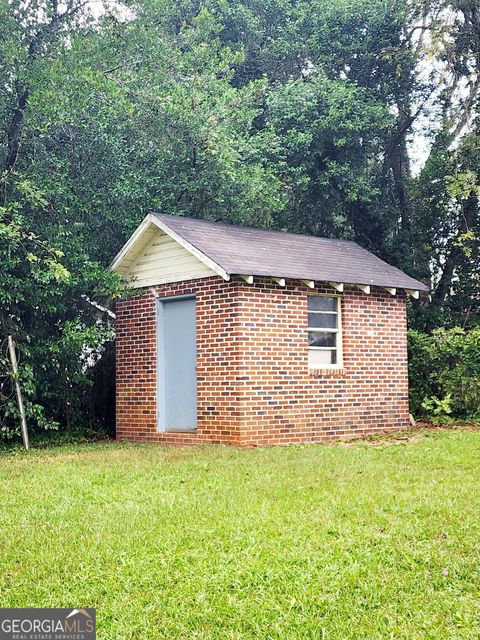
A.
pixel 354 90
pixel 105 120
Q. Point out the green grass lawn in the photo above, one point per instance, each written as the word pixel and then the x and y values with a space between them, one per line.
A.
pixel 332 542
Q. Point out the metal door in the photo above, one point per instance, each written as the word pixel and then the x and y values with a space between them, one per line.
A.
pixel 177 380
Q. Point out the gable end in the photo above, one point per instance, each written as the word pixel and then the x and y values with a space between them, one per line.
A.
pixel 155 255
pixel 163 260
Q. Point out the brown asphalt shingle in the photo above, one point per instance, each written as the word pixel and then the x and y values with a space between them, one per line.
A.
pixel 257 252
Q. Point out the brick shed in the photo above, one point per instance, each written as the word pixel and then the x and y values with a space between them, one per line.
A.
pixel 246 336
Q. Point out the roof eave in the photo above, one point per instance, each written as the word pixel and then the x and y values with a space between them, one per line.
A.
pixel 413 285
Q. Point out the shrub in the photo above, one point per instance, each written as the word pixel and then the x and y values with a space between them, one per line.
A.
pixel 444 371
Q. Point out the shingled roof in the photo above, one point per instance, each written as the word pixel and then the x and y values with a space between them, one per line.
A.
pixel 258 252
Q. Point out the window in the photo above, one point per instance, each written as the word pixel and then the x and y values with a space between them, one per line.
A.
pixel 324 332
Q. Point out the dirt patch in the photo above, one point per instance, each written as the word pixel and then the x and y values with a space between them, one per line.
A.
pixel 383 439
pixel 406 436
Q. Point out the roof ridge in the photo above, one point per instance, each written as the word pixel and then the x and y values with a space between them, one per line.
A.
pixel 228 225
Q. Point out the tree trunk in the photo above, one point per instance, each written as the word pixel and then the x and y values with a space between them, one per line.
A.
pixel 456 252
pixel 14 130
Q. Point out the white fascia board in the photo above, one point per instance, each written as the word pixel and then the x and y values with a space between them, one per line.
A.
pixel 150 220
pixel 131 242
pixel 189 247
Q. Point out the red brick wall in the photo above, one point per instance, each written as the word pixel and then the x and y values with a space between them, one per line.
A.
pixel 254 386
pixel 284 402
pixel 218 362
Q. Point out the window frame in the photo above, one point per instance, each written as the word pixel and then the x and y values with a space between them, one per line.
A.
pixel 338 331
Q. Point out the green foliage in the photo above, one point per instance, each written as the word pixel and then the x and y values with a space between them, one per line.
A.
pixel 322 135
pixel 9 416
pixel 444 370
pixel 447 232
pixel 438 409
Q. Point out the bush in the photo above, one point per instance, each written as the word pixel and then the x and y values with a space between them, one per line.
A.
pixel 444 372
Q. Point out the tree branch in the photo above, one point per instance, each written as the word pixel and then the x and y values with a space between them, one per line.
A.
pixel 14 129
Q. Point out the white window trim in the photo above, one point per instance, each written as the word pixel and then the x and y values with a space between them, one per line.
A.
pixel 338 331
